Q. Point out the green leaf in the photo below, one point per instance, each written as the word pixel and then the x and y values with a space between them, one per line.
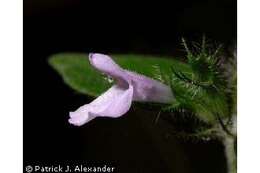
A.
pixel 77 72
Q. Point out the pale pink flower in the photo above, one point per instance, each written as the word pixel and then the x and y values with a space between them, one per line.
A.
pixel 116 101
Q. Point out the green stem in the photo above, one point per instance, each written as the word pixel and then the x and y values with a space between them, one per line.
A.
pixel 229 144
pixel 229 136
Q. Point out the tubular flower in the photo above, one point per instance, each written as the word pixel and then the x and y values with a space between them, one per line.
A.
pixel 116 101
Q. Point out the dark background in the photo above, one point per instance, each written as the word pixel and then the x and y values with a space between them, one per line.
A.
pixel 131 143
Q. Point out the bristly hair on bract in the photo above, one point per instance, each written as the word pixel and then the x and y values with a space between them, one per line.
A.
pixel 204 92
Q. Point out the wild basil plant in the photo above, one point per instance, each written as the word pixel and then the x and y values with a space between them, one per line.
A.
pixel 203 88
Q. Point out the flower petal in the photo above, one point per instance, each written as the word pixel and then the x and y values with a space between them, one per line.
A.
pixel 106 65
pixel 149 90
pixel 113 103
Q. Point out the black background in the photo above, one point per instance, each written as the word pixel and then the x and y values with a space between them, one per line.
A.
pixel 80 26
